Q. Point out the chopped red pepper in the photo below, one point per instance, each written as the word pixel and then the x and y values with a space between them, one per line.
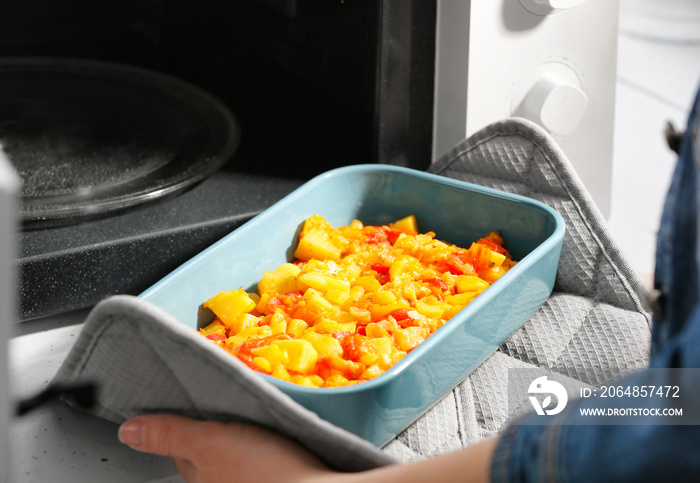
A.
pixel 401 314
pixel 380 269
pixel 437 282
pixel 374 235
pixel 352 346
pixel 391 234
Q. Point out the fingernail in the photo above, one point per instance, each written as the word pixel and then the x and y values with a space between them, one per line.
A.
pixel 133 433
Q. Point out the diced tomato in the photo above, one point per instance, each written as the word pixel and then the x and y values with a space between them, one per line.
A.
pixel 247 346
pixel 265 320
pixel 340 335
pixel 374 235
pixel 327 366
pixel 391 234
pixel 273 304
pixel 361 329
pixel 437 282
pixel 216 337
pixel 400 314
pixel 286 301
pixel 379 268
pixel 491 245
pixel 404 317
pixel 478 256
pixel 454 265
pixel 352 346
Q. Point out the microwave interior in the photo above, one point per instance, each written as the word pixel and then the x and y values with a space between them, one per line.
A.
pixel 312 85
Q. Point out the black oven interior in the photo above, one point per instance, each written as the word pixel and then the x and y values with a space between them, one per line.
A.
pixel 313 85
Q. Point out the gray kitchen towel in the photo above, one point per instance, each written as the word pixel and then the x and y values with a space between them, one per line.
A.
pixel 595 326
pixel 592 329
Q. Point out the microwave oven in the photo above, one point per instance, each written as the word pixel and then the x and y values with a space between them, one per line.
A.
pixel 314 85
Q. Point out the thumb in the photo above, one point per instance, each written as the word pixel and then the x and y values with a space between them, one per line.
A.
pixel 160 434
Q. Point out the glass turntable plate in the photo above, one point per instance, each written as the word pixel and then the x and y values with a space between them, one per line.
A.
pixel 92 138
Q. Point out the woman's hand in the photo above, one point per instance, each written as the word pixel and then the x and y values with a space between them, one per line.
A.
pixel 218 452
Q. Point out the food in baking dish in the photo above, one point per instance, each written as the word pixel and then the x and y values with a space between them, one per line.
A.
pixel 354 302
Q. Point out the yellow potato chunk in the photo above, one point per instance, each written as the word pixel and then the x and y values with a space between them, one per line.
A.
pixel 229 305
pixel 471 283
pixel 323 282
pixel 283 279
pixel 301 354
pixel 318 240
pixel 407 224
pixel 325 345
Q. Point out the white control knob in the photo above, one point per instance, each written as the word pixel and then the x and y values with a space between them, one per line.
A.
pixel 548 7
pixel 555 103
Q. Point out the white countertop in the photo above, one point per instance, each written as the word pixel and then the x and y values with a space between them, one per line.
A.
pixel 56 443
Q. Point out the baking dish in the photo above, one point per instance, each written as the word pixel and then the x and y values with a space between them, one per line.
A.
pixel 457 212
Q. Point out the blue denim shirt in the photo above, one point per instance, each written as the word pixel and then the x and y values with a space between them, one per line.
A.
pixel 566 452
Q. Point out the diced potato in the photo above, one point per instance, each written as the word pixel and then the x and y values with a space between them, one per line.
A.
pixel 243 321
pixel 374 330
pixel 496 259
pixel 304 381
pixel 405 264
pixel 273 354
pixel 409 338
pixel 350 272
pixel 316 304
pixel 228 305
pixel 279 328
pixel 461 298
pixel 471 283
pixel 296 327
pixel 382 345
pixel 372 371
pixel 369 359
pixel 318 240
pixel 280 372
pixel 216 327
pixel 368 283
pixel 379 311
pixel 283 279
pixel 325 345
pixel 382 297
pixel 261 305
pixel 339 297
pixel 337 380
pixel 451 312
pixel 492 274
pixel 263 364
pixel 327 326
pixel 360 315
pixel 431 307
pixel 301 353
pixel 234 342
pixel 322 282
pixel 407 224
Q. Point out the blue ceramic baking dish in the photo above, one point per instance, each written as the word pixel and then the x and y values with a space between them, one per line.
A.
pixel 457 212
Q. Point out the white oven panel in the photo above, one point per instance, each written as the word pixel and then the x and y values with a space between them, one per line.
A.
pixel 551 61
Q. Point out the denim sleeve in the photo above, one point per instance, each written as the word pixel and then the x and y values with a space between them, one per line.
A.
pixel 566 450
